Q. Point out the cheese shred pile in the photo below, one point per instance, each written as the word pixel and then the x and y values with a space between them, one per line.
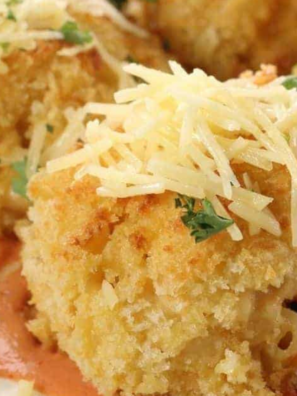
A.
pixel 182 132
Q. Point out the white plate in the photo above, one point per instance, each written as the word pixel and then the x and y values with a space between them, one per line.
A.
pixel 10 388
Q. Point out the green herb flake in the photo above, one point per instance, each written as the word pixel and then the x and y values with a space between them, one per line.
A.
pixel 49 128
pixel 11 16
pixel 14 2
pixel 166 45
pixel 203 223
pixel 131 59
pixel 290 82
pixel 178 203
pixel 138 80
pixel 73 35
pixel 119 4
pixel 5 46
pixel 286 137
pixel 19 182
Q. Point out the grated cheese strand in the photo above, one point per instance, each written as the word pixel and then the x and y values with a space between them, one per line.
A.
pixel 30 35
pixel 36 145
pixel 260 219
pixel 209 141
pixel 157 188
pixel 233 230
pixel 80 156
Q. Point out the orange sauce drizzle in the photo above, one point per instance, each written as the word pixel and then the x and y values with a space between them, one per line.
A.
pixel 21 355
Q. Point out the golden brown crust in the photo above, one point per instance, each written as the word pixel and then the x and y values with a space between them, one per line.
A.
pixel 190 319
pixel 224 37
pixel 265 75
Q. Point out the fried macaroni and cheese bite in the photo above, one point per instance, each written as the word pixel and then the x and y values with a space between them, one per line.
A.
pixel 123 288
pixel 224 38
pixel 161 255
pixel 52 62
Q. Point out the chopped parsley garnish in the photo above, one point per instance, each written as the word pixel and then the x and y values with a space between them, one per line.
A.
pixel 4 46
pixel 73 35
pixel 19 182
pixel 287 137
pixel 138 80
pixel 166 45
pixel 14 2
pixel 118 3
pixel 290 82
pixel 203 223
pixel 11 16
pixel 49 128
pixel 131 59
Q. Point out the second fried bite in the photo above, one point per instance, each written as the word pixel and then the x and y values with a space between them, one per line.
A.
pixel 42 88
pixel 224 38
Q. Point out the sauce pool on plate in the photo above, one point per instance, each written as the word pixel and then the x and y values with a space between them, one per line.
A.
pixel 21 355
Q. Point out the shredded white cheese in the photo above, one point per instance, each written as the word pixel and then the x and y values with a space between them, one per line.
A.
pixel 183 132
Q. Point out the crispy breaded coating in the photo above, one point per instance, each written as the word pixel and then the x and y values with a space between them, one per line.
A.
pixel 53 83
pixel 224 37
pixel 40 85
pixel 140 307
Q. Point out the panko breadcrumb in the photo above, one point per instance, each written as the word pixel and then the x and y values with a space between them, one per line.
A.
pixel 223 37
pixel 123 288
